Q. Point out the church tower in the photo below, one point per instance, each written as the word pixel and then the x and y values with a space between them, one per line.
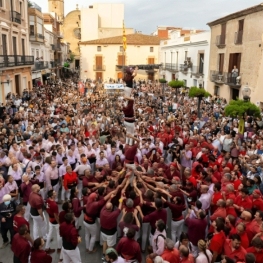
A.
pixel 57 6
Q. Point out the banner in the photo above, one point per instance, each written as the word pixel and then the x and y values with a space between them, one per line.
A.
pixel 114 86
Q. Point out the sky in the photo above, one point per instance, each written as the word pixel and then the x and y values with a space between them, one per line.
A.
pixel 146 15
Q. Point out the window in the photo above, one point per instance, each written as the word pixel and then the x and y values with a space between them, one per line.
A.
pixel 176 57
pixel 195 82
pixel 37 53
pixel 98 48
pixel 201 63
pixel 221 63
pixel 185 55
pixel 1 3
pixel 121 48
pixel 21 8
pixel 4 44
pixel 121 60
pixel 32 30
pixel 14 46
pixel 239 33
pixel 33 52
pixel 23 47
pixel 151 49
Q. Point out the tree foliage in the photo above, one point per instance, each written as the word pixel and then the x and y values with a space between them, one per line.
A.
pixel 198 92
pixel 238 108
pixel 162 80
pixel 66 65
pixel 176 84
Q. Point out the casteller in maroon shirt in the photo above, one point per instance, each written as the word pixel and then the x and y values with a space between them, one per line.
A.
pixel 69 235
pixel 21 248
pixel 40 256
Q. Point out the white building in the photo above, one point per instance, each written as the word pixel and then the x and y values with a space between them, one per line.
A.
pixel 186 58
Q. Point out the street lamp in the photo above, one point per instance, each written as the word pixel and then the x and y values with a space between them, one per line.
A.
pixel 7 80
pixel 200 82
pixel 246 91
pixel 177 76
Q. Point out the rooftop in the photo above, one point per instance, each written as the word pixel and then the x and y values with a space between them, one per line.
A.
pixel 132 39
pixel 244 12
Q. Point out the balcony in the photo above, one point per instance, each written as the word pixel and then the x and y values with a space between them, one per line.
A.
pixel 198 70
pixel 40 65
pixel 184 68
pixel 16 17
pixel 238 38
pixel 232 81
pixel 217 77
pixel 52 64
pixel 221 41
pixel 36 37
pixel 171 67
pixel 52 47
pixel 58 63
pixel 57 48
pixel 99 68
pixel 7 61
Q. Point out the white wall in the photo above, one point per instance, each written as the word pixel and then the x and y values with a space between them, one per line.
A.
pixel 198 43
pixel 108 16
pixel 134 55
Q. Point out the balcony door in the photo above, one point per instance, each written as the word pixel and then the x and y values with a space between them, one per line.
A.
pixel 234 60
pixel 201 62
pixel 14 46
pixel 223 33
pixel 121 60
pixel 99 76
pixel 98 62
pixel 221 63
pixel 151 61
pixel 4 45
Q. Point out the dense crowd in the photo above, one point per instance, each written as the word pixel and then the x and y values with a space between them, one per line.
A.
pixel 147 175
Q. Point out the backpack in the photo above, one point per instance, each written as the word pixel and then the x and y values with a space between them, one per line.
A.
pixel 24 169
pixel 156 241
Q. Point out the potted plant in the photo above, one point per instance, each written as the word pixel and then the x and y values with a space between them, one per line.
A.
pixel 198 93
pixel 176 84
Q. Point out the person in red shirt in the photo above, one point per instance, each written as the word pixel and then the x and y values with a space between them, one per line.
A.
pixel 216 196
pixel 70 180
pixel 185 255
pixel 220 211
pixel 38 255
pixel 19 220
pixel 217 242
pixel 241 231
pixel 230 224
pixel 52 210
pixel 230 209
pixel 20 245
pixel 243 201
pixel 233 248
pixel 170 253
pixel 70 239
pixel 257 249
pixel 229 192
pixel 235 179
pixel 257 201
pixel 128 248
pixel 253 227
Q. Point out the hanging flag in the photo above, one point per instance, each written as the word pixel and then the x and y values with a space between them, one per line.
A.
pixel 124 39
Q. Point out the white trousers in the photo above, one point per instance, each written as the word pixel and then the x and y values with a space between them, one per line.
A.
pixel 56 189
pixel 70 256
pixel 55 228
pixel 39 225
pixel 80 187
pixel 90 235
pixel 27 212
pixel 77 222
pixel 130 128
pixel 145 230
pixel 127 91
pixel 43 193
pixel 176 229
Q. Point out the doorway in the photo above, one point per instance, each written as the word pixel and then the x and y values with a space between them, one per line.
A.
pixel 173 76
pixel 234 60
pixel 77 63
pixel 119 76
pixel 235 94
pixel 17 84
pixel 99 76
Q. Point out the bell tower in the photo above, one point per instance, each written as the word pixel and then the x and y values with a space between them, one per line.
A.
pixel 57 6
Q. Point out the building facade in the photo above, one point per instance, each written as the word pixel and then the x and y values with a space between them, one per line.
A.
pixel 15 58
pixel 236 54
pixel 186 58
pixel 57 7
pixel 104 58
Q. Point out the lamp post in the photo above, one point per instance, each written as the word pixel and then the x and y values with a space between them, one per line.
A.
pixel 200 82
pixel 246 91
pixel 177 76
pixel 7 80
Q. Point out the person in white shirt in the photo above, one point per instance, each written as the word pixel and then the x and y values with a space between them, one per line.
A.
pixel 205 197
pixel 62 170
pixel 204 255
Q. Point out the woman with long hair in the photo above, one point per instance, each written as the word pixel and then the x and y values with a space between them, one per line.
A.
pixel 204 255
pixel 38 254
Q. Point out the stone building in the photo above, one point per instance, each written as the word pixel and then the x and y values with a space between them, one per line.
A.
pixel 236 54
pixel 15 61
